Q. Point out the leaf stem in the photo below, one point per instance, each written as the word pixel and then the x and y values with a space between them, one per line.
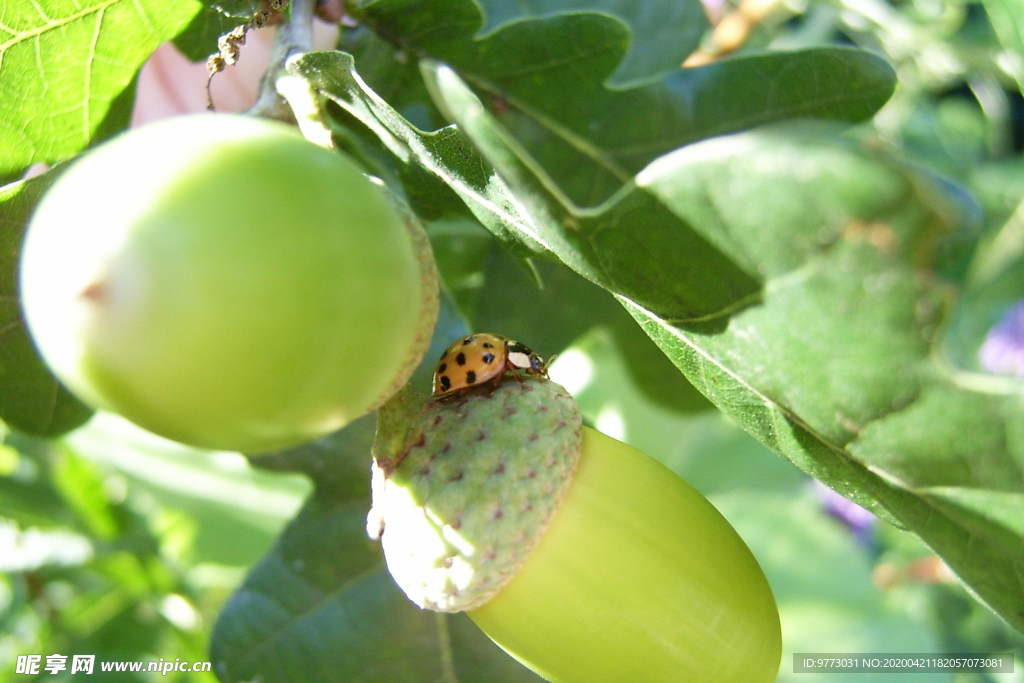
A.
pixel 294 36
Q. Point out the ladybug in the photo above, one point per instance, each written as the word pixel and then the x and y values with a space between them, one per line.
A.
pixel 475 359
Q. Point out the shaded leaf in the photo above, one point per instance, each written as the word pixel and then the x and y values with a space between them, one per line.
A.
pixel 834 367
pixel 31 398
pixel 546 80
pixel 543 304
pixel 119 114
pixel 450 326
pixel 63 63
pixel 632 243
pixel 973 345
pixel 663 33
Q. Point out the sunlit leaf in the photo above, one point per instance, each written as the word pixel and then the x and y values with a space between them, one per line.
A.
pixel 62 65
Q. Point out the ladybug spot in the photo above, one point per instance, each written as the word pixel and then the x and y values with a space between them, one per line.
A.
pixel 442 367
pixel 488 345
pixel 445 383
pixel 460 359
pixel 468 340
pixel 488 358
pixel 470 377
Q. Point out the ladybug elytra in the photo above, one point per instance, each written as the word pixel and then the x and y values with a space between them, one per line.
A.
pixel 478 358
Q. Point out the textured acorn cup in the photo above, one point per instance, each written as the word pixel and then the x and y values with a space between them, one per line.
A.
pixel 466 484
pixel 635 576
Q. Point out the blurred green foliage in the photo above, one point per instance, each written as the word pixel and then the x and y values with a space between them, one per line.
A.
pixel 122 545
pixel 117 544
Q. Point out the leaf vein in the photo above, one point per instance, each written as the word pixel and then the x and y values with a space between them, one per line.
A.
pixel 578 142
pixel 53 24
pixel 42 13
pixel 89 60
pixel 444 643
pixel 9 327
pixel 269 641
pixel 144 17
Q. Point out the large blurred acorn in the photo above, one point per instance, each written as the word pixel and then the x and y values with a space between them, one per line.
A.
pixel 581 557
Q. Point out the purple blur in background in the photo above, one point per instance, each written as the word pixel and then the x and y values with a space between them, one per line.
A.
pixel 1003 350
pixel 857 519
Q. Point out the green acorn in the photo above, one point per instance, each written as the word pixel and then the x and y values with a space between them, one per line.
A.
pixel 580 556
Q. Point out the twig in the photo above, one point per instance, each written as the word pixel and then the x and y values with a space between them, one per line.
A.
pixel 229 46
pixel 294 36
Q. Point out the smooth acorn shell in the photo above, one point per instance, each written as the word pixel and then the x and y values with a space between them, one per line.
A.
pixel 222 282
pixel 637 578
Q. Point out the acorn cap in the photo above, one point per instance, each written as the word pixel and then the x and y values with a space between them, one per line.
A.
pixel 464 485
